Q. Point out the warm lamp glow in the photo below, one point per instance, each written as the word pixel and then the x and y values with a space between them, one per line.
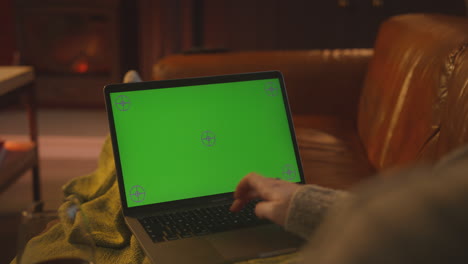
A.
pixel 80 66
pixel 18 146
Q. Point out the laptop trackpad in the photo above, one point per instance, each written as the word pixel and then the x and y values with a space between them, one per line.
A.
pixel 260 241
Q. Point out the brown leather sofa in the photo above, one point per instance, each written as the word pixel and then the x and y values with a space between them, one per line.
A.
pixel 360 111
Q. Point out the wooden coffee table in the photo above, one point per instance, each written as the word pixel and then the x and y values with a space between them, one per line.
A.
pixel 17 87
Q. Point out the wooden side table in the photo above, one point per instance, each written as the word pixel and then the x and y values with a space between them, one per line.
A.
pixel 17 87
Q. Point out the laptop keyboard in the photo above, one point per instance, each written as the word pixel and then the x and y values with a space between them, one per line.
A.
pixel 198 222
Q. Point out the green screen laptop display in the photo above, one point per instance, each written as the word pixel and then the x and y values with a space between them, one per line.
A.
pixel 191 141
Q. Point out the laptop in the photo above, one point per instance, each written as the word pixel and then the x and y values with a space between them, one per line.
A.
pixel 182 146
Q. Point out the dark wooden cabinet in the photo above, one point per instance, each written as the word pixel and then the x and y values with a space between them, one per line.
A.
pixel 76 47
pixel 276 24
pixel 168 27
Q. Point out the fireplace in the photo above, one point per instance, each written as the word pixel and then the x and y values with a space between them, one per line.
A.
pixel 76 47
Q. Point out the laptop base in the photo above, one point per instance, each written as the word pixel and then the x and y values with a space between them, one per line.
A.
pixel 225 247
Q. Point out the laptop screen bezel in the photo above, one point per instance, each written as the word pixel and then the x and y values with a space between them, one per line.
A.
pixel 176 83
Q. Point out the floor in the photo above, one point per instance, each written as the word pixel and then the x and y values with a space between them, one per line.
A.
pixel 69 145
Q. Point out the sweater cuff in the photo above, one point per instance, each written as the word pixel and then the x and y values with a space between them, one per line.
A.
pixel 308 207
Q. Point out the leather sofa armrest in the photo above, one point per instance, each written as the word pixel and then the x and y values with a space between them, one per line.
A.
pixel 319 82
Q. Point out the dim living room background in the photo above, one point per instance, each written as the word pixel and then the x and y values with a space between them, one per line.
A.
pixel 78 46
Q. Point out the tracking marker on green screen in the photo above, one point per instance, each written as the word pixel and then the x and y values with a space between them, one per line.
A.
pixel 208 138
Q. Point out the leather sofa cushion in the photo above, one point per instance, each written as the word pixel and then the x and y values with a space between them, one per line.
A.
pixel 331 152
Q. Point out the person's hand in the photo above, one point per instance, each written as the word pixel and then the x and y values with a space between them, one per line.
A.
pixel 276 196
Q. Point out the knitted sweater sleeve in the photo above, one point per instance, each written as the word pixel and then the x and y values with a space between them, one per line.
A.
pixel 308 207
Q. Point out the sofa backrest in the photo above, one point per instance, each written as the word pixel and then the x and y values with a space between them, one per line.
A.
pixel 405 90
pixel 310 75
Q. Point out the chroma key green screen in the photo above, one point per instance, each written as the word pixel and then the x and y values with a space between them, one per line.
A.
pixel 192 141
